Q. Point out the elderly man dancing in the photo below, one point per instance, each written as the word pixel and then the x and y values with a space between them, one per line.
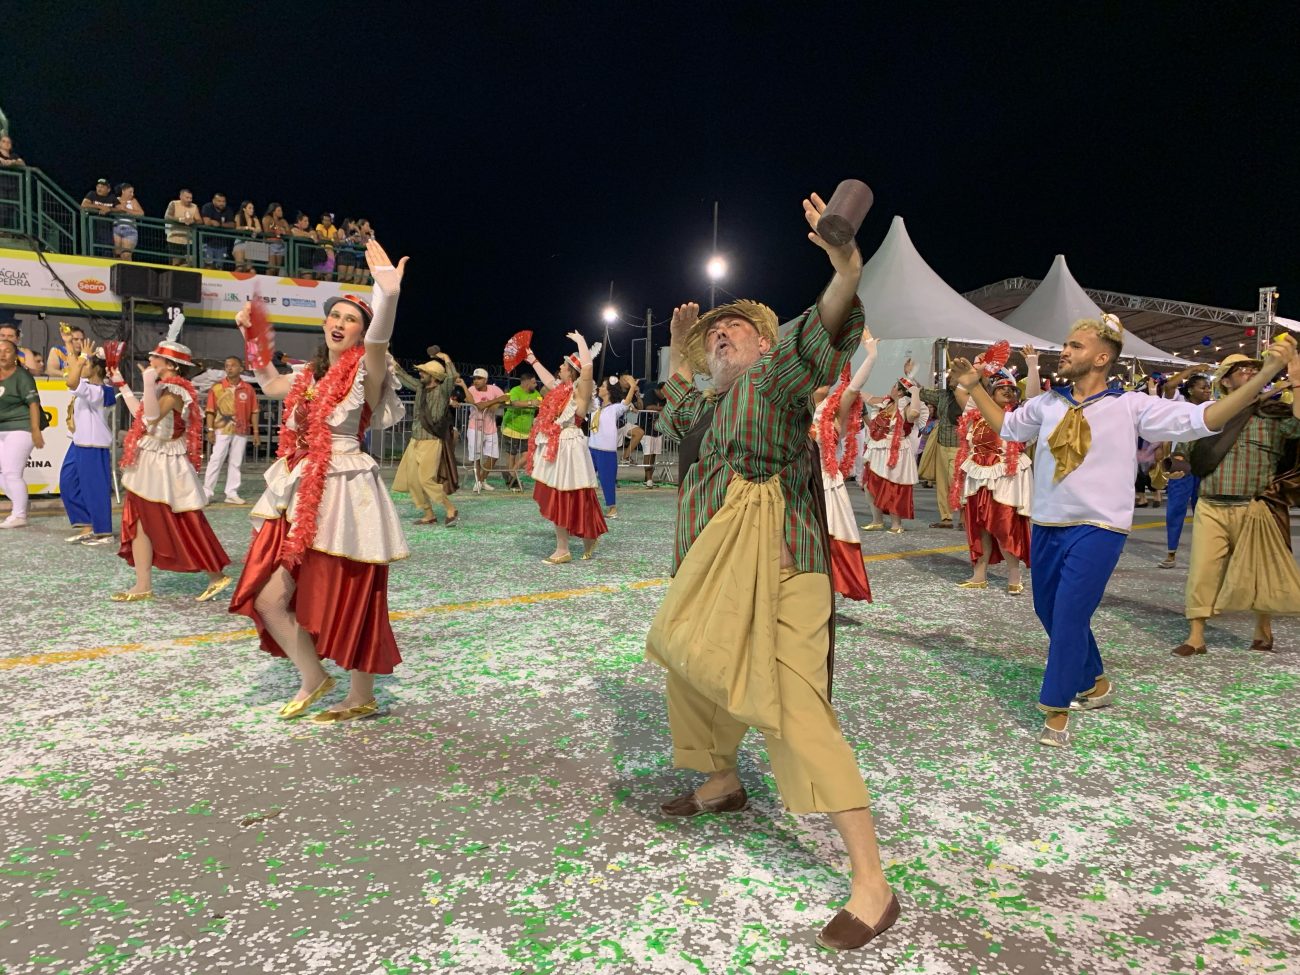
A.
pixel 744 631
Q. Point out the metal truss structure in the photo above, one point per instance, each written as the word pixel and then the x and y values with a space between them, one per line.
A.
pixel 1177 327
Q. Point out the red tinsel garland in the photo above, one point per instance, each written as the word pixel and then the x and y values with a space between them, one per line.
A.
pixel 556 399
pixel 880 427
pixel 850 459
pixel 321 401
pixel 827 437
pixel 193 428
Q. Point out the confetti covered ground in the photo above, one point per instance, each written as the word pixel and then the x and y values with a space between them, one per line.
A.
pixel 500 813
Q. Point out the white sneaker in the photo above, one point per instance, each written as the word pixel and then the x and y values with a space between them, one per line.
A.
pixel 12 522
pixel 235 499
pixel 650 484
pixel 79 537
pixel 488 487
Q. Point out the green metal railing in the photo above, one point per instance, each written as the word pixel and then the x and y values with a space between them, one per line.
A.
pixel 32 205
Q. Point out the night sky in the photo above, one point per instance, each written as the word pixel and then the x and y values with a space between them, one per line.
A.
pixel 527 155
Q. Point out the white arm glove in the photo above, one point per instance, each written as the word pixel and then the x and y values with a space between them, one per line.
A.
pixel 381 326
pixel 1033 384
pixel 864 371
pixel 124 391
pixel 150 397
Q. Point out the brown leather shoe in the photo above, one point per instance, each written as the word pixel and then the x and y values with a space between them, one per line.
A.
pixel 846 931
pixel 1262 646
pixel 945 523
pixel 1187 650
pixel 688 805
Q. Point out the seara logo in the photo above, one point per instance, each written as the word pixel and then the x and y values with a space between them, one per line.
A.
pixel 92 286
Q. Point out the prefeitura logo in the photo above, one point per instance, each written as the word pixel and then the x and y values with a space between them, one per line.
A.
pixel 14 279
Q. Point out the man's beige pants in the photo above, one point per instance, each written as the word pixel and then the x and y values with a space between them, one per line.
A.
pixel 815 769
pixel 945 459
pixel 418 474
pixel 1215 531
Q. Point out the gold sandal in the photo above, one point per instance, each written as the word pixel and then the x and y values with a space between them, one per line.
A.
pixel 131 597
pixel 293 709
pixel 213 589
pixel 347 714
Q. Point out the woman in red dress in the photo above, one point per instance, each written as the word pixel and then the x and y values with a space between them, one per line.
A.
pixel 162 515
pixel 564 477
pixel 993 483
pixel 316 578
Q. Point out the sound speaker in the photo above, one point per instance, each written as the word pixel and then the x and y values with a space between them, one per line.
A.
pixel 177 286
pixel 132 281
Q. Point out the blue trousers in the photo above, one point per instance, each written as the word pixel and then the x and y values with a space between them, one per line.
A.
pixel 1070 569
pixel 606 462
pixel 1180 492
pixel 86 486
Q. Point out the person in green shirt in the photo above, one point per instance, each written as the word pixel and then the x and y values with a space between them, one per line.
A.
pixel 20 430
pixel 522 402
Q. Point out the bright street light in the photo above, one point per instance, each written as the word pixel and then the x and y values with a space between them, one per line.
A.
pixel 610 314
pixel 717 268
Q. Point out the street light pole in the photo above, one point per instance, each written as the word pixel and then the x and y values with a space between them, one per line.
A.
pixel 713 282
pixel 649 342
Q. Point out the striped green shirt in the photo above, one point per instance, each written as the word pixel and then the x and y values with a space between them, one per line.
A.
pixel 1252 462
pixel 759 431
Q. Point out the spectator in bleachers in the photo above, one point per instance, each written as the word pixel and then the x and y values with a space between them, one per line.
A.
pixel 327 234
pixel 275 228
pixel 14 334
pixel 301 229
pixel 182 214
pixel 216 213
pixel 37 361
pixel 100 201
pixel 246 222
pixel 365 234
pixel 347 252
pixel 125 232
pixel 7 157
pixel 74 340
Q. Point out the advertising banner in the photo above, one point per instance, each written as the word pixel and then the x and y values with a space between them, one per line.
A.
pixel 26 283
pixel 42 474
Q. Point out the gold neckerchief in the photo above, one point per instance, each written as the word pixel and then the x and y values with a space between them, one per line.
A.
pixel 1072 438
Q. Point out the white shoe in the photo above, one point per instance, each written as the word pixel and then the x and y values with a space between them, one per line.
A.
pixel 649 484
pixel 235 499
pixel 478 487
pixel 488 487
pixel 12 522
pixel 79 537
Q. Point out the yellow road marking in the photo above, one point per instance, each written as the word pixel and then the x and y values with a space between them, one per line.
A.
pixel 474 606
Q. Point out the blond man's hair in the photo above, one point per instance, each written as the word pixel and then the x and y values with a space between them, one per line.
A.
pixel 1109 329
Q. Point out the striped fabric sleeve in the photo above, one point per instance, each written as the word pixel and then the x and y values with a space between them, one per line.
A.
pixel 805 357
pixel 682 407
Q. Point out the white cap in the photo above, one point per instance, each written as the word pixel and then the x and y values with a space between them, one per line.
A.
pixel 480 374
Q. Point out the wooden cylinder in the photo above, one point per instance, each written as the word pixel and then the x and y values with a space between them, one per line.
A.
pixel 843 216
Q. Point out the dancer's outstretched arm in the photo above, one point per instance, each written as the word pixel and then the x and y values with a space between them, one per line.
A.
pixel 859 378
pixel 837 300
pixel 388 287
pixel 583 387
pixel 544 374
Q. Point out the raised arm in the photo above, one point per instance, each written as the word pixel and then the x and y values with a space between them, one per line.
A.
pixel 76 366
pixel 1278 357
pixel 853 392
pixel 124 391
pixel 1176 380
pixel 582 389
pixel 548 380
pixel 837 300
pixel 968 380
pixel 684 319
pixel 388 287
pixel 1033 381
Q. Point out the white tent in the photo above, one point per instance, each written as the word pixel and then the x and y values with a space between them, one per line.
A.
pixel 1058 302
pixel 910 308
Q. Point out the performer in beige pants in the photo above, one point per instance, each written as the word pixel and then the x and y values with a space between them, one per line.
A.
pixel 744 631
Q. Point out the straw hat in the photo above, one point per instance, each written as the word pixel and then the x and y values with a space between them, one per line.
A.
pixel 757 314
pixel 1229 364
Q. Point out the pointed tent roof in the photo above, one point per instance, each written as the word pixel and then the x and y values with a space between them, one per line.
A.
pixel 904 299
pixel 1058 302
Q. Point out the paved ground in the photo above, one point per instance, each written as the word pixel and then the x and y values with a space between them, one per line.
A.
pixel 499 814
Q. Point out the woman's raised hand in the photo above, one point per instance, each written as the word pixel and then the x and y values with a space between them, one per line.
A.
pixel 387 277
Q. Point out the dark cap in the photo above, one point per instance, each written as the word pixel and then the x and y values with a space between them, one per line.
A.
pixel 102 180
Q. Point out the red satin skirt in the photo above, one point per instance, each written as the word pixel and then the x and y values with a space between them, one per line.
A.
pixel 577 512
pixel 848 573
pixel 182 541
pixel 1008 528
pixel 341 603
pixel 890 498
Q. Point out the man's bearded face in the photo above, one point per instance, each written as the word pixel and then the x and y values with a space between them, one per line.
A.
pixel 731 346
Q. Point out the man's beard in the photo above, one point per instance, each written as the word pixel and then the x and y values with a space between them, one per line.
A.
pixel 725 372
